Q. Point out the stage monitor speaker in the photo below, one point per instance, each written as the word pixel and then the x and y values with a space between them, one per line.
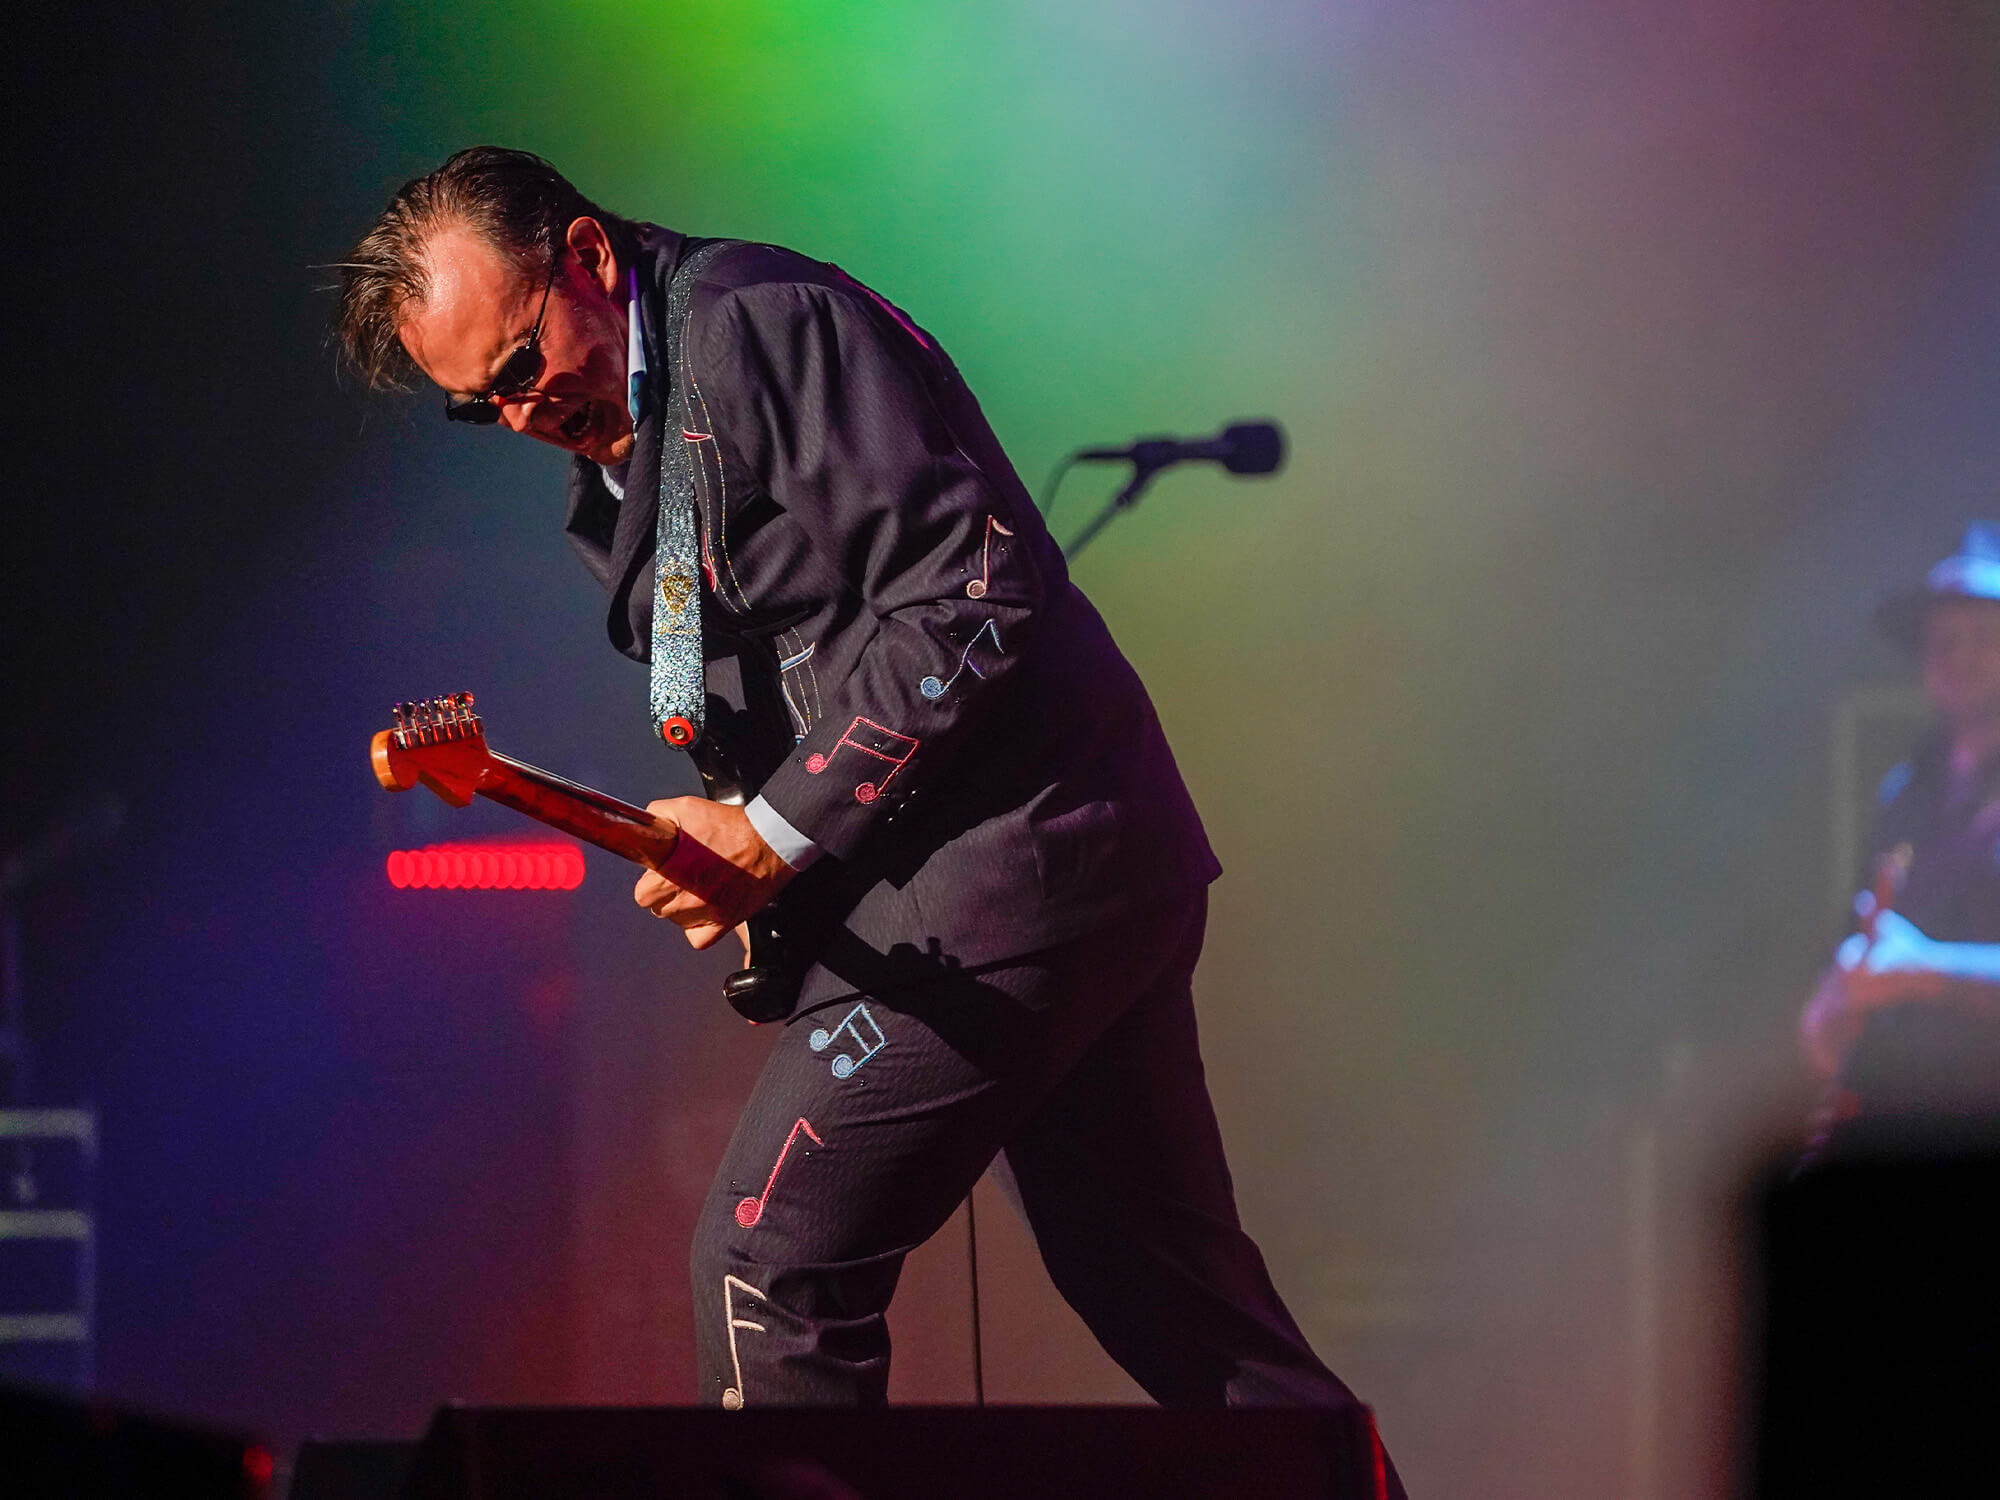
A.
pixel 896 1453
pixel 1880 1368
pixel 341 1469
pixel 62 1448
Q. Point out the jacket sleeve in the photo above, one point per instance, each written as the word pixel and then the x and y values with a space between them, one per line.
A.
pixel 828 400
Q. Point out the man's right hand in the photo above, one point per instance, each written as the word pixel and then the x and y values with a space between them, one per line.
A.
pixel 720 874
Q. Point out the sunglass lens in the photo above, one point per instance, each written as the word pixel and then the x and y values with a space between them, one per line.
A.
pixel 476 410
pixel 520 370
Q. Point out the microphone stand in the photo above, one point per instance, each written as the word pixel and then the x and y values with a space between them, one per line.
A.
pixel 972 1272
pixel 1125 499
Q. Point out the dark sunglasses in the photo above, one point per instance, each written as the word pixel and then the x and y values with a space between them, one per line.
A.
pixel 522 369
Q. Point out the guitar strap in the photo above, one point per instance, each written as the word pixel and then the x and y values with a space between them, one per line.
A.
pixel 678 686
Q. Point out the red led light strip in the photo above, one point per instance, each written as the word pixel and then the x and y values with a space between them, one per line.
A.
pixel 487 867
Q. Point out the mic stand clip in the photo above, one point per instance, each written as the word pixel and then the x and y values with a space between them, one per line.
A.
pixel 1144 466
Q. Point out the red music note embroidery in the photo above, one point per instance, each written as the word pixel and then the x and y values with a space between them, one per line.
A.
pixel 750 1210
pixel 881 743
pixel 977 588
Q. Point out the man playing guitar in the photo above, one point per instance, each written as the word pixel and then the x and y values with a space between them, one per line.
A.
pixel 845 594
pixel 1906 1021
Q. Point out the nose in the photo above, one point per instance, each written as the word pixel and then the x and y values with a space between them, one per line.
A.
pixel 517 414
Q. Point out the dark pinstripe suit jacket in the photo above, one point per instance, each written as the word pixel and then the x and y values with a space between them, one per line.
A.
pixel 935 703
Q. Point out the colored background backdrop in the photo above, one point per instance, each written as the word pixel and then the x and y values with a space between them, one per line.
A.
pixel 1627 352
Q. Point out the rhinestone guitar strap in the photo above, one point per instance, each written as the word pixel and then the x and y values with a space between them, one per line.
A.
pixel 678 679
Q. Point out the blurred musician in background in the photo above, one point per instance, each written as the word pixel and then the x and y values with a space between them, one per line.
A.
pixel 1905 1023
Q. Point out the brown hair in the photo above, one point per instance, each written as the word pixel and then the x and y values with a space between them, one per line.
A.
pixel 514 200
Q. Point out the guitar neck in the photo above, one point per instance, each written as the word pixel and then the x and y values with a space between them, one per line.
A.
pixel 627 831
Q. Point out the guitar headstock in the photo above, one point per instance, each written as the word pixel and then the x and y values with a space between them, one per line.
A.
pixel 437 741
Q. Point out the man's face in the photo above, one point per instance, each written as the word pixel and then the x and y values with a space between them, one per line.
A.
pixel 480 310
pixel 1961 661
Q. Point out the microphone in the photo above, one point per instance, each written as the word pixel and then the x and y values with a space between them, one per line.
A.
pixel 1243 448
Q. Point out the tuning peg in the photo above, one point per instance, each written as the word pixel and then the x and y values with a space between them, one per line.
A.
pixel 431 721
pixel 458 719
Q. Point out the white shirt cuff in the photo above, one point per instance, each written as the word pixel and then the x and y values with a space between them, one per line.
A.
pixel 793 847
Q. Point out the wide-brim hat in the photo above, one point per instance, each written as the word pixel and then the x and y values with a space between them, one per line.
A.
pixel 1972 572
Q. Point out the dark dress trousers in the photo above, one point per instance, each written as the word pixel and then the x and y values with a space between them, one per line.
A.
pixel 1020 867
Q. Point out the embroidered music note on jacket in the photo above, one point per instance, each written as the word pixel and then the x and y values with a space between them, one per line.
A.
pixel 875 741
pixel 933 689
pixel 977 589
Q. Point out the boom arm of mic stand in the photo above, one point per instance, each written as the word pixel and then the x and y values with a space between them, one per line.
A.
pixel 1125 499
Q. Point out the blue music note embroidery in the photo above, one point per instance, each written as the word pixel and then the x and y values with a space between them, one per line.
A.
pixel 843 1065
pixel 930 687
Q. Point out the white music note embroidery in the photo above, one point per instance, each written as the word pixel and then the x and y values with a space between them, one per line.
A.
pixel 732 1399
pixel 932 688
pixel 843 1065
pixel 977 588
pixel 750 1210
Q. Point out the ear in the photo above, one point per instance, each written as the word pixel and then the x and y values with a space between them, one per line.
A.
pixel 592 248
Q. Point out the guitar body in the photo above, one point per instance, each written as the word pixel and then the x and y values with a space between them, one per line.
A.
pixel 441 744
pixel 1838 1102
pixel 766 988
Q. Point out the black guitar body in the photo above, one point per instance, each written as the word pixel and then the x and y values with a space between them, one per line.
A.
pixel 767 987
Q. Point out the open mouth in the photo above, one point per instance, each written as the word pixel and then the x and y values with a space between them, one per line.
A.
pixel 575 427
